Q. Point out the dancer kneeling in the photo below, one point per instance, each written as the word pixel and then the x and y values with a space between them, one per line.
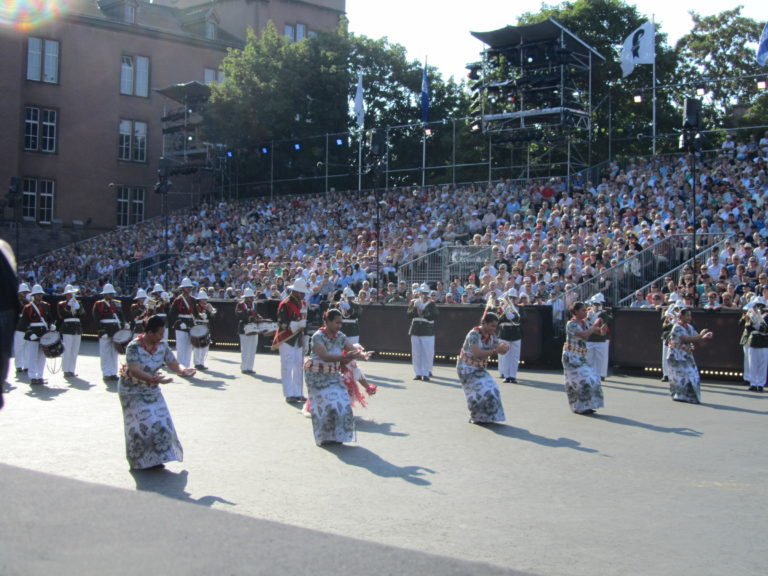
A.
pixel 480 389
pixel 332 418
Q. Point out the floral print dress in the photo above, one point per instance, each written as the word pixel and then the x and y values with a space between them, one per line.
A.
pixel 684 380
pixel 582 384
pixel 332 417
pixel 150 438
pixel 480 389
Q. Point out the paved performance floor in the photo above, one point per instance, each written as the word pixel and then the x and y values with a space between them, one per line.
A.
pixel 647 486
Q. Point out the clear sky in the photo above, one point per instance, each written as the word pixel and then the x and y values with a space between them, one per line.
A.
pixel 440 29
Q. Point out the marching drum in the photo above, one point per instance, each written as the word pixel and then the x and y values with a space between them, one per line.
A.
pixel 121 339
pixel 51 345
pixel 250 329
pixel 200 336
pixel 266 328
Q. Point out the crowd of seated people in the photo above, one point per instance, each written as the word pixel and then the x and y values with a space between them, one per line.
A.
pixel 543 238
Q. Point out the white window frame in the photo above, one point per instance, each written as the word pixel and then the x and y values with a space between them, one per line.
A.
pixel 131 202
pixel 134 75
pixel 132 141
pixel 210 29
pixel 213 76
pixel 43 60
pixel 40 129
pixel 37 199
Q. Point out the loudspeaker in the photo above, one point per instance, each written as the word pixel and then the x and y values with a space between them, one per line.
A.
pixel 692 114
pixel 378 142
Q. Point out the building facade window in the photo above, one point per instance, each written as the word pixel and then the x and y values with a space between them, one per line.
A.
pixel 211 76
pixel 130 13
pixel 130 205
pixel 132 143
pixel 290 32
pixel 301 32
pixel 40 129
pixel 134 76
pixel 210 30
pixel 43 60
pixel 37 202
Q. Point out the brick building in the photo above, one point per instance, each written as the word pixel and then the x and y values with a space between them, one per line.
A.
pixel 81 110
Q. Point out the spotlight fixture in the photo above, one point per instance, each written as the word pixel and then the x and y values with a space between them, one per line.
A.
pixel 637 98
pixel 761 84
pixel 700 90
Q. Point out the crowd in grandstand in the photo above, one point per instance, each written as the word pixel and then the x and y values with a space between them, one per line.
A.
pixel 544 238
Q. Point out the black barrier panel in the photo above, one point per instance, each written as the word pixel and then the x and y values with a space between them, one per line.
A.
pixel 385 329
pixel 636 339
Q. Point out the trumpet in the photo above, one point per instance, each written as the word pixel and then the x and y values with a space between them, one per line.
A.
pixel 756 319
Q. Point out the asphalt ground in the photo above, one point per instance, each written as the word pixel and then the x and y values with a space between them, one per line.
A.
pixel 646 486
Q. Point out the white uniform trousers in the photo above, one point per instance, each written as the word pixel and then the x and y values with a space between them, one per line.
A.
pixel 71 343
pixel 758 366
pixel 597 357
pixel 19 350
pixel 422 354
pixel 35 360
pixel 509 362
pixel 183 348
pixel 199 355
pixel 746 373
pixel 664 365
pixel 248 346
pixel 107 356
pixel 292 370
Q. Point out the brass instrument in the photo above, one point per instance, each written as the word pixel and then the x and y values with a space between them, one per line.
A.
pixel 756 319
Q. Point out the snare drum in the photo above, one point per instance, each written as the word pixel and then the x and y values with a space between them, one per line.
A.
pixel 51 345
pixel 121 339
pixel 266 328
pixel 250 329
pixel 200 336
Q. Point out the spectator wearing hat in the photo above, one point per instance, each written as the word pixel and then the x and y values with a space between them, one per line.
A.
pixel 423 312
pixel 19 343
pixel 37 321
pixel 108 314
pixel 247 317
pixel 289 340
pixel 70 313
pixel 182 315
pixel 511 334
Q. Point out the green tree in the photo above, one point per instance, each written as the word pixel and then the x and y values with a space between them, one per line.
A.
pixel 716 55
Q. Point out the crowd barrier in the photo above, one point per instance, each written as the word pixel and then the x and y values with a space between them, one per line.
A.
pixel 635 335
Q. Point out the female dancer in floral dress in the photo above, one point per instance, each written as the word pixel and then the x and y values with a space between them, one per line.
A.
pixel 150 438
pixel 480 389
pixel 582 384
pixel 332 418
pixel 684 380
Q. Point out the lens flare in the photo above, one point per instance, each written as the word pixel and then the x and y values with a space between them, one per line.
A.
pixel 27 14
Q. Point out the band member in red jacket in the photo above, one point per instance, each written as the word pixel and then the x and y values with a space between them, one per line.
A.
pixel 70 312
pixel 108 313
pixel 247 317
pixel 37 320
pixel 289 339
pixel 181 315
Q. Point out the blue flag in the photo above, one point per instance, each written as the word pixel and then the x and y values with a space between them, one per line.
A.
pixel 424 96
pixel 762 48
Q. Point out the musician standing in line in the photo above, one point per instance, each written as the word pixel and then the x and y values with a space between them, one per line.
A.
pixel 37 321
pixel 746 330
pixel 19 343
pixel 157 305
pixel 289 339
pixel 511 334
pixel 204 314
pixel 139 312
pixel 350 315
pixel 246 314
pixel 423 312
pixel 757 344
pixel 70 312
pixel 598 345
pixel 108 313
pixel 181 315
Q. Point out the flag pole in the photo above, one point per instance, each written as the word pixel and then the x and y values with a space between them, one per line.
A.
pixel 653 146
